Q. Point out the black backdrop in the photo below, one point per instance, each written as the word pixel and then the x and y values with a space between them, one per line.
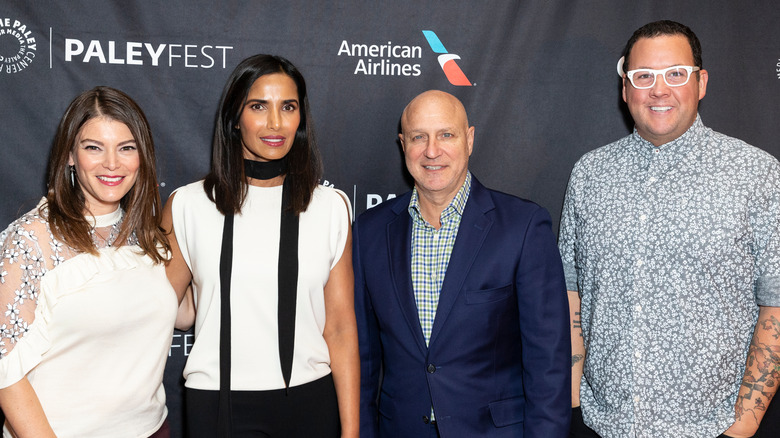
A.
pixel 543 87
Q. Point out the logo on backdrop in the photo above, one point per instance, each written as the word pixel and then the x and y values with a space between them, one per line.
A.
pixel 145 53
pixel 383 59
pixel 17 46
pixel 447 60
pixel 777 69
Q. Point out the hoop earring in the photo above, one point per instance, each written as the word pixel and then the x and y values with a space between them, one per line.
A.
pixel 72 178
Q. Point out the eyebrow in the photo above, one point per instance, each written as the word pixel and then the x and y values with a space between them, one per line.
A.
pixel 248 101
pixel 90 140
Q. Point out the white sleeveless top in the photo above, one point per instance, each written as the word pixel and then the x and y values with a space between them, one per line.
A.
pixel 323 229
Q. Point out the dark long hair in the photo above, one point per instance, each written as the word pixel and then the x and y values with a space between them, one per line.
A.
pixel 66 202
pixel 226 185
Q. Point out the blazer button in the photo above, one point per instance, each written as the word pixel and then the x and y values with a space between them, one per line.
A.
pixel 431 368
pixel 426 420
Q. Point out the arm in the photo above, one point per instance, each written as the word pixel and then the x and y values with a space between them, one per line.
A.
pixel 762 374
pixel 20 255
pixel 23 411
pixel 577 347
pixel 340 334
pixel 545 331
pixel 185 317
pixel 178 272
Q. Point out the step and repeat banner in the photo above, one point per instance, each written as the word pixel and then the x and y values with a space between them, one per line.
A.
pixel 537 78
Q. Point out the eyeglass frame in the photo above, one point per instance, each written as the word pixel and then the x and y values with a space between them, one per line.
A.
pixel 630 74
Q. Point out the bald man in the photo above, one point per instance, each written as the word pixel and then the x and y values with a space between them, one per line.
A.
pixel 460 298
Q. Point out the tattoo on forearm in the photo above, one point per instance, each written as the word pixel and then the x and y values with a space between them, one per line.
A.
pixel 577 323
pixel 576 358
pixel 759 388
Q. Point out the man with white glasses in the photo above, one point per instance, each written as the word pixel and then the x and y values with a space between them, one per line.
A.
pixel 670 239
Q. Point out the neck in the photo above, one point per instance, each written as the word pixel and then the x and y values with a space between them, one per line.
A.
pixel 265 173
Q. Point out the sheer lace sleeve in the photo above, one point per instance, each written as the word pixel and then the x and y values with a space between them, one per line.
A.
pixel 28 252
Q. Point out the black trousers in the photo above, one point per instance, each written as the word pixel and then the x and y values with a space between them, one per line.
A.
pixel 305 411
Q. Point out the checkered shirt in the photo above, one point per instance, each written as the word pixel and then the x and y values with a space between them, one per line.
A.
pixel 431 249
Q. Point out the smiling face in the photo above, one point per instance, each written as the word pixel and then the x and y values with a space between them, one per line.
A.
pixel 106 160
pixel 270 118
pixel 437 143
pixel 663 113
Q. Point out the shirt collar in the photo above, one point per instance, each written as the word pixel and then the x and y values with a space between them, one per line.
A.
pixel 679 145
pixel 456 206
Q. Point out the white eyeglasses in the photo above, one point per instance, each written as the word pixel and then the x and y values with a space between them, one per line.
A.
pixel 644 78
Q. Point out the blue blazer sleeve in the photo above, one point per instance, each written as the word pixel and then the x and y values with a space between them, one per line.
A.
pixel 369 344
pixel 545 334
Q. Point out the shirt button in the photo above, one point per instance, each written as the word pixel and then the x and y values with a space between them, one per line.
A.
pixel 656 150
pixel 653 179
pixel 640 262
pixel 638 308
pixel 643 217
pixel 638 354
pixel 636 399
pixel 431 368
pixel 436 236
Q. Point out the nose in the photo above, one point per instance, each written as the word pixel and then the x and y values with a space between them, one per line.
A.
pixel 660 87
pixel 274 119
pixel 111 161
pixel 432 149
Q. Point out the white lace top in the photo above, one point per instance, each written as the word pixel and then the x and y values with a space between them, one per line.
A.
pixel 90 332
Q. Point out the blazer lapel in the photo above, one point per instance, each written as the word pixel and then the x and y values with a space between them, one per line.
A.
pixel 399 241
pixel 474 227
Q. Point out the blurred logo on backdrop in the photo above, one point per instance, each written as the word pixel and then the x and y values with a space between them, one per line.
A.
pixel 447 60
pixel 18 46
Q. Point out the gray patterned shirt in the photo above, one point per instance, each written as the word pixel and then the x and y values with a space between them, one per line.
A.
pixel 672 249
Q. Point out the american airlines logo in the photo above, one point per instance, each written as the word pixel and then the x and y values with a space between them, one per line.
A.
pixel 447 60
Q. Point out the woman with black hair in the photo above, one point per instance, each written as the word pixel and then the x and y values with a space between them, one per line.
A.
pixel 268 254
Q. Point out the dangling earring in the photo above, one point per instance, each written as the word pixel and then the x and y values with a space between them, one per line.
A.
pixel 72 178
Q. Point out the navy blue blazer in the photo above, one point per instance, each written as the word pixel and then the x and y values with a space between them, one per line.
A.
pixel 499 359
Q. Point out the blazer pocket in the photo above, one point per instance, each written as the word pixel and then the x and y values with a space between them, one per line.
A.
pixel 488 295
pixel 507 412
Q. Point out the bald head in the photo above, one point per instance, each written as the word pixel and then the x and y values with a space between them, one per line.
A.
pixel 437 143
pixel 434 101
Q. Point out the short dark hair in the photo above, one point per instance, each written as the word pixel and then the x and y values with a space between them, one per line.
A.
pixel 66 202
pixel 226 185
pixel 663 27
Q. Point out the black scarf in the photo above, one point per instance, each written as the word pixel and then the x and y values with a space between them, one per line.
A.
pixel 288 285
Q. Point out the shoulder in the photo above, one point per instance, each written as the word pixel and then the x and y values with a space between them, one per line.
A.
pixel 738 152
pixel 31 229
pixel 385 212
pixel 329 199
pixel 602 156
pixel 488 199
pixel 192 190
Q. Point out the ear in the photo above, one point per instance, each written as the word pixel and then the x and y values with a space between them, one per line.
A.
pixel 71 162
pixel 704 77
pixel 625 80
pixel 470 139
pixel 403 146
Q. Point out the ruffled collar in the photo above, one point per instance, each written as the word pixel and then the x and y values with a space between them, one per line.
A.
pixel 106 220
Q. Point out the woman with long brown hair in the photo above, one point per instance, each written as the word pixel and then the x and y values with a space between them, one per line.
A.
pixel 89 312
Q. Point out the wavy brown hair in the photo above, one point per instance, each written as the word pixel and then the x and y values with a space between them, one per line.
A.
pixel 66 202
pixel 226 185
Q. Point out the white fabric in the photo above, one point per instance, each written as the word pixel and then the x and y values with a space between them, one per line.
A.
pixel 95 346
pixel 323 229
